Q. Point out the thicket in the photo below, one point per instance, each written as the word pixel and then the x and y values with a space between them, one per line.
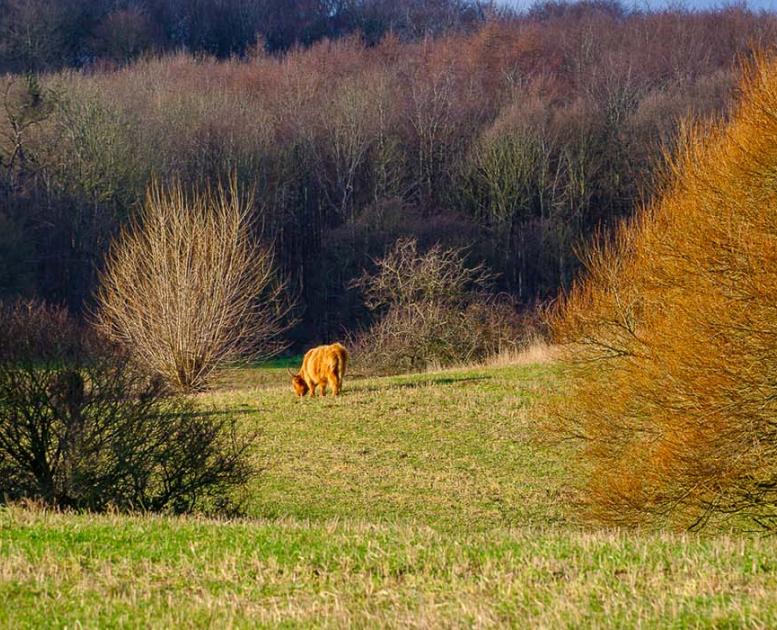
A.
pixel 517 139
pixel 671 340
pixel 82 426
pixel 432 310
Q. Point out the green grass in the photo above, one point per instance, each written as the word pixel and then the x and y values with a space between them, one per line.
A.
pixel 410 501
pixel 448 450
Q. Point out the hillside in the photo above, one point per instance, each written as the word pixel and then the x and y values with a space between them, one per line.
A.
pixel 416 500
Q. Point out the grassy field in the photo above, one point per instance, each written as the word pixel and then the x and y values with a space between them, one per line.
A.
pixel 410 501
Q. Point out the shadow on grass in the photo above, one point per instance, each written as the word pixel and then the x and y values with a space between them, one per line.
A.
pixel 242 379
pixel 416 384
pixel 215 413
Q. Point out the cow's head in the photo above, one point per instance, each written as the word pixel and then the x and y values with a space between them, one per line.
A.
pixel 298 384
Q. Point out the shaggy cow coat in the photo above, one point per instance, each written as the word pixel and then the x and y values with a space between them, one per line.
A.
pixel 322 366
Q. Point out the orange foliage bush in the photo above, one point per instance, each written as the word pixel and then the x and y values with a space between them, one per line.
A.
pixel 671 340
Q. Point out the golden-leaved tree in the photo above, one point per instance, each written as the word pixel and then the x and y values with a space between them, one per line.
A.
pixel 670 361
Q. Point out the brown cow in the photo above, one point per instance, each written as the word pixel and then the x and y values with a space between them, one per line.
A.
pixel 323 365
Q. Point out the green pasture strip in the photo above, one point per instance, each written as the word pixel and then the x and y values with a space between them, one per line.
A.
pixel 63 570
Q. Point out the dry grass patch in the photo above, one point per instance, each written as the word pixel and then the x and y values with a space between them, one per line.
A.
pixel 536 352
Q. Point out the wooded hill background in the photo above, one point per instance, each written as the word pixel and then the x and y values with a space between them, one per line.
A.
pixel 356 123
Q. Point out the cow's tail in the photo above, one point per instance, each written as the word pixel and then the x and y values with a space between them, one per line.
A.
pixel 343 363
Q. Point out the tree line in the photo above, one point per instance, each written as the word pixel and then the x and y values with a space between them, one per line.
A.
pixel 516 138
pixel 40 35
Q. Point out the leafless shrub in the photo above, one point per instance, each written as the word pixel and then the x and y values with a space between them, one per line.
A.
pixel 437 312
pixel 406 276
pixel 82 427
pixel 186 287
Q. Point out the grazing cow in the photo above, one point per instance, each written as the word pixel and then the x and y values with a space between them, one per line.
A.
pixel 323 365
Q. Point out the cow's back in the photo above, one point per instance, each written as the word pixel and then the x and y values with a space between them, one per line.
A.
pixel 323 360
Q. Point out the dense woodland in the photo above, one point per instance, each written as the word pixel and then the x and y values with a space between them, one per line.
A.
pixel 354 124
pixel 49 34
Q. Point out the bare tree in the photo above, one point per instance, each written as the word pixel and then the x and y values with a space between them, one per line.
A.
pixel 186 287
pixel 669 358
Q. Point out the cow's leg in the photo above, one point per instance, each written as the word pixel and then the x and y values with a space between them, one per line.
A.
pixel 323 387
pixel 334 382
pixel 311 389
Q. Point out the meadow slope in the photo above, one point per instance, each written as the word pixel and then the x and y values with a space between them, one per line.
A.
pixel 409 501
